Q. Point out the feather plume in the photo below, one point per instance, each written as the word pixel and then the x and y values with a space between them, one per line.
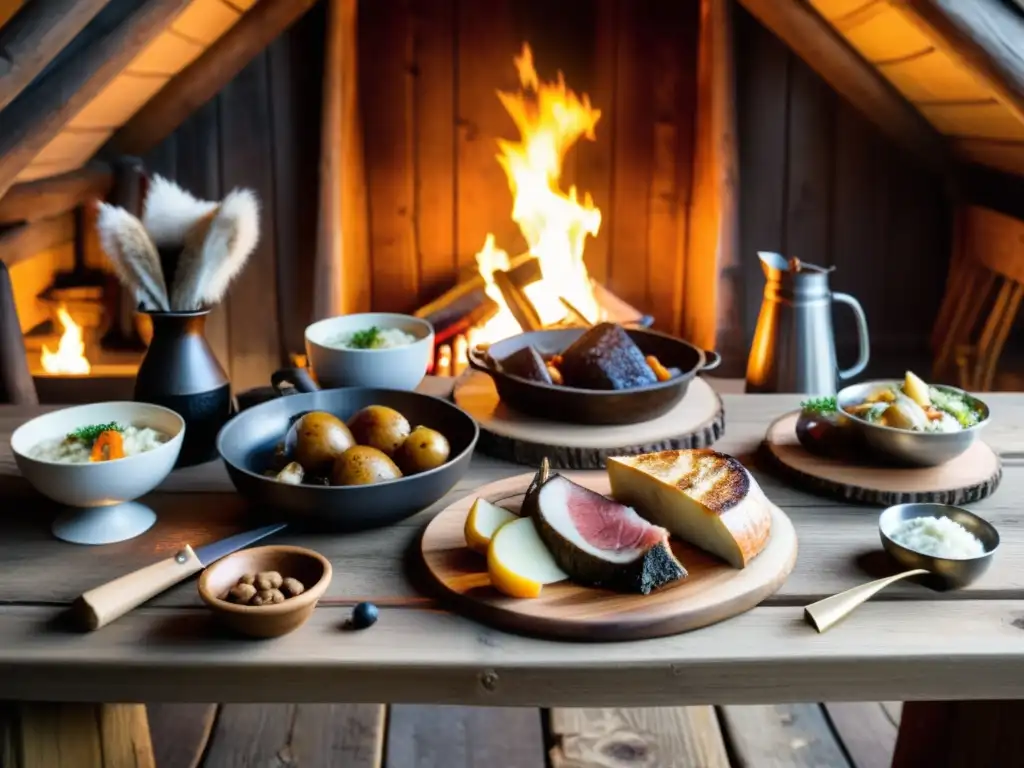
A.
pixel 133 256
pixel 170 212
pixel 216 249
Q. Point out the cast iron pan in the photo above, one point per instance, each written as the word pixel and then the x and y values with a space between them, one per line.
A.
pixel 594 406
pixel 246 444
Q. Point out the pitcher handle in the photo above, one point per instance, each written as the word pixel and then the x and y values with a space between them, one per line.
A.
pixel 863 345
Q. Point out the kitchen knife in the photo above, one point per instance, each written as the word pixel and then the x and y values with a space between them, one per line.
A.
pixel 101 605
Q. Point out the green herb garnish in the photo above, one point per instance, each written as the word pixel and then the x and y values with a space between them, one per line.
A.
pixel 820 405
pixel 89 433
pixel 955 405
pixel 365 339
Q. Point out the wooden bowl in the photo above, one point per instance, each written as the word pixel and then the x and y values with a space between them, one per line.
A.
pixel 309 567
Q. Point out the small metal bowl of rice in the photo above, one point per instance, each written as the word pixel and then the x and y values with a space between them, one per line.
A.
pixel 955 545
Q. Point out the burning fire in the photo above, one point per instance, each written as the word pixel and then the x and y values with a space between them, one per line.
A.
pixel 70 355
pixel 550 118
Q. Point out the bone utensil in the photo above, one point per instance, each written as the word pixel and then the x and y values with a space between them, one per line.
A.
pixel 101 605
pixel 948 573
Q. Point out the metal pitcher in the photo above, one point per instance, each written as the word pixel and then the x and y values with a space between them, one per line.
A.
pixel 794 347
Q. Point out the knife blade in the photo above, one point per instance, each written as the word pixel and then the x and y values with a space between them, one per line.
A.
pixel 210 553
pixel 101 605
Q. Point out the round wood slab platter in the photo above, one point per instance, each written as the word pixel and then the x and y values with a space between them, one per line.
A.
pixel 697 421
pixel 712 591
pixel 973 475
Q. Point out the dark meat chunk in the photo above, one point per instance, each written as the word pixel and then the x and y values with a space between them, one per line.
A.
pixel 528 364
pixel 605 357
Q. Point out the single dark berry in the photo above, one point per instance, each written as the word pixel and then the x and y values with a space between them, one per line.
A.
pixel 364 615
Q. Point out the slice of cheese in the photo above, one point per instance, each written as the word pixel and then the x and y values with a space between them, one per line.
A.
pixel 702 496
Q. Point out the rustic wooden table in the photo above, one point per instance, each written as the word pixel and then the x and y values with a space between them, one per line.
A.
pixel 908 644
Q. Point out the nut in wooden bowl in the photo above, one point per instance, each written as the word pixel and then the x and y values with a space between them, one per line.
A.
pixel 301 577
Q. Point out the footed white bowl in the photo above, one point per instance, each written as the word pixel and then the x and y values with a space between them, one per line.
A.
pixel 105 483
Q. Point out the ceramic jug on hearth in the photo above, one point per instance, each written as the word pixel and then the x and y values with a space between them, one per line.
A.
pixel 794 347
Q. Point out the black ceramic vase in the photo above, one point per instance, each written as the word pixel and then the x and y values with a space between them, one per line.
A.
pixel 181 372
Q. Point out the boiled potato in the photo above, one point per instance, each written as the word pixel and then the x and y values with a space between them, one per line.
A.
pixel 915 388
pixel 363 465
pixel 423 449
pixel 379 427
pixel 319 438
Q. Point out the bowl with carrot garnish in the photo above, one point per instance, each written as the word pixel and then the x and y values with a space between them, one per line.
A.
pixel 100 454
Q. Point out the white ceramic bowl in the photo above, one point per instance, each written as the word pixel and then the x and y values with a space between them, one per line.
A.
pixel 393 368
pixel 103 483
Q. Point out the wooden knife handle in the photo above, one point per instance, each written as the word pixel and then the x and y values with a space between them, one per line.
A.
pixel 101 605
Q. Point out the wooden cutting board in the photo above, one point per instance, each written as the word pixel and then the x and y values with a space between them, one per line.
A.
pixel 713 591
pixel 696 421
pixel 972 476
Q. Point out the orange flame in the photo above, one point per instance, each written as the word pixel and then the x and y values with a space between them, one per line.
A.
pixel 70 355
pixel 550 118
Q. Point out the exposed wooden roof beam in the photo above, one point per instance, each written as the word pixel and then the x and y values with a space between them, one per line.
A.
pixel 35 36
pixel 43 198
pixel 811 37
pixel 202 79
pixel 39 114
pixel 985 36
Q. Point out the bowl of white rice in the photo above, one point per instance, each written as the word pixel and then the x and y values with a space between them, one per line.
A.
pixel 370 349
pixel 100 454
pixel 952 543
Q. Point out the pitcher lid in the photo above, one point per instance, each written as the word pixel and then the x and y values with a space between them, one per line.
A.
pixel 776 266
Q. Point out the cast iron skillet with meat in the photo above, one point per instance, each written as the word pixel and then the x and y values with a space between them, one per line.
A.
pixel 605 377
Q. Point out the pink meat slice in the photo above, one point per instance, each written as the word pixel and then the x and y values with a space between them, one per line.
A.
pixel 608 525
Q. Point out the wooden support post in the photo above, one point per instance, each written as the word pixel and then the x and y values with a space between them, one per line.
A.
pixel 128 180
pixel 960 734
pixel 711 253
pixel 342 254
pixel 16 386
pixel 72 735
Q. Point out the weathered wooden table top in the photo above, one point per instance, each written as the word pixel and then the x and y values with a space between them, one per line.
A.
pixel 908 643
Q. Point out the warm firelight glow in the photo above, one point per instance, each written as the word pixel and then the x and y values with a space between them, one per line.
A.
pixel 70 355
pixel 550 118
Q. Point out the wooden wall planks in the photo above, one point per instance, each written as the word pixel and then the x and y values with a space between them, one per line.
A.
pixel 261 131
pixel 817 180
pixel 253 329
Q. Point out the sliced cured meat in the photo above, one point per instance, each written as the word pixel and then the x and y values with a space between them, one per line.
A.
pixel 598 541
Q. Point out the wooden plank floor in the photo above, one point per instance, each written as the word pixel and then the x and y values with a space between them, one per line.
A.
pixel 834 735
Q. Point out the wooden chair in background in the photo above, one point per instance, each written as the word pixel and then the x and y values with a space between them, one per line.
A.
pixel 983 296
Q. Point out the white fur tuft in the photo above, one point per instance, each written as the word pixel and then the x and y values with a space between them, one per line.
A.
pixel 216 250
pixel 170 212
pixel 133 256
